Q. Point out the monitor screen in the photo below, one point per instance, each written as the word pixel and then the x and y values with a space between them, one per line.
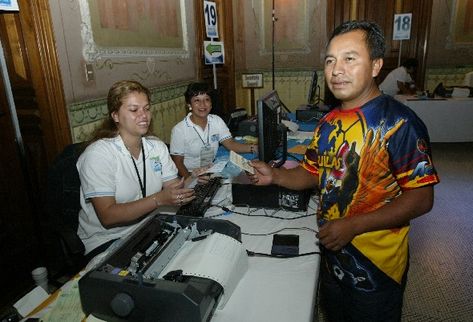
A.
pixel 272 135
pixel 314 90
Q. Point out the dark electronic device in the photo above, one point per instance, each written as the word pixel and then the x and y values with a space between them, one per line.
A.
pixel 313 97
pixel 126 285
pixel 272 134
pixel 285 245
pixel 272 196
pixel 204 193
pixel 236 117
pixel 247 127
pixel 240 124
pixel 310 112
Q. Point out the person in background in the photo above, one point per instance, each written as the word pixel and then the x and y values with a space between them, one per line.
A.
pixel 400 80
pixel 125 171
pixel 370 157
pixel 468 79
pixel 195 139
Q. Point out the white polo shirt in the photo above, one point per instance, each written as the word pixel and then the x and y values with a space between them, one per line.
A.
pixel 468 80
pixel 106 169
pixel 389 84
pixel 187 138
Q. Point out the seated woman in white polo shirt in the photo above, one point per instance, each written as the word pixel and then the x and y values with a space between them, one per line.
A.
pixel 195 140
pixel 125 171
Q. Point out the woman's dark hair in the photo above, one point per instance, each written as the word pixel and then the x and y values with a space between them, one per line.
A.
pixel 197 88
pixel 373 35
pixel 116 94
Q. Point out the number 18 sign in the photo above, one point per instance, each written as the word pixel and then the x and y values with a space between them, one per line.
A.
pixel 402 26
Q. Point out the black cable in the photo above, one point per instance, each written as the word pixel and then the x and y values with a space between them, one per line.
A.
pixel 278 231
pixel 251 253
pixel 256 215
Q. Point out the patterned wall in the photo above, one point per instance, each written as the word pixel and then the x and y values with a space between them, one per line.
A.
pixel 168 105
pixel 292 87
pixel 447 76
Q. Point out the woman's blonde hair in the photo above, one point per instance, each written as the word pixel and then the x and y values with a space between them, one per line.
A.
pixel 116 94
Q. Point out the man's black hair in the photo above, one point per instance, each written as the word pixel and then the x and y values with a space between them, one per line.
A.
pixel 410 63
pixel 197 88
pixel 374 35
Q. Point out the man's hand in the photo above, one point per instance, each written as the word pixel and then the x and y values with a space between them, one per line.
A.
pixel 335 234
pixel 263 175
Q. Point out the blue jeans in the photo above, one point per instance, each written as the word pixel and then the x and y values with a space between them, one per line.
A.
pixel 340 302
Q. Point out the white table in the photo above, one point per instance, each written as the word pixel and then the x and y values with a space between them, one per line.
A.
pixel 273 289
pixel 449 120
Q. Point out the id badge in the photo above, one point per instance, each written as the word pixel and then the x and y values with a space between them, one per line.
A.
pixel 206 155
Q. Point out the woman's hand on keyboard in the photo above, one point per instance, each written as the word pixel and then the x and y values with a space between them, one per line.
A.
pixel 176 194
pixel 203 178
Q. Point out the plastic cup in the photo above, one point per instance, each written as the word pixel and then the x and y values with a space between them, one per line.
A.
pixel 40 276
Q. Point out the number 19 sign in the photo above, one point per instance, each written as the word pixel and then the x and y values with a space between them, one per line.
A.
pixel 211 21
pixel 402 26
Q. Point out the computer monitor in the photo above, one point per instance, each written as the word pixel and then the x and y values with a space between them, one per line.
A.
pixel 313 96
pixel 272 134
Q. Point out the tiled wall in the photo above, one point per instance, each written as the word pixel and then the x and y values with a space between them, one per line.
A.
pixel 292 87
pixel 447 76
pixel 167 105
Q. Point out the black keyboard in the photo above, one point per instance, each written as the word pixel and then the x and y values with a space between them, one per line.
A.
pixel 204 193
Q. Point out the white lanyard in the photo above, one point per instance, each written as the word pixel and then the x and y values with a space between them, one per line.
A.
pixel 206 151
pixel 208 135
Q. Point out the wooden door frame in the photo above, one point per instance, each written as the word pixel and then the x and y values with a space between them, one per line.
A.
pixel 35 18
pixel 225 12
pixel 343 10
pixel 23 174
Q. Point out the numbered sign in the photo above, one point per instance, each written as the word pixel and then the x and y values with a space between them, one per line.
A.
pixel 10 5
pixel 211 20
pixel 402 26
pixel 214 52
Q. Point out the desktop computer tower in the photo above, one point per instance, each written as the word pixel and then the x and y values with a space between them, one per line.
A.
pixel 272 196
pixel 255 196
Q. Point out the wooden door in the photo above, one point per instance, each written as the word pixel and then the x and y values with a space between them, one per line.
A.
pixel 225 101
pixel 382 12
pixel 33 72
pixel 19 239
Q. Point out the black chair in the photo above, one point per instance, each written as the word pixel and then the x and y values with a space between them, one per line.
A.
pixel 63 206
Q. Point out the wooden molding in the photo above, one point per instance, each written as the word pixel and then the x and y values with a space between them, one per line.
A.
pixel 46 77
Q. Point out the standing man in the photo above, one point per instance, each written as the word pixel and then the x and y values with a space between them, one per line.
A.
pixel 371 160
pixel 399 80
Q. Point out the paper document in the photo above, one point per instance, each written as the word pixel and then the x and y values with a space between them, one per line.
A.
pixel 217 257
pixel 217 167
pixel 31 300
pixel 300 135
pixel 241 162
pixel 67 307
pixel 292 126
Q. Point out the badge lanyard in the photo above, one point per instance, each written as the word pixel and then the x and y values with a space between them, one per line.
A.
pixel 206 152
pixel 142 183
pixel 208 134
